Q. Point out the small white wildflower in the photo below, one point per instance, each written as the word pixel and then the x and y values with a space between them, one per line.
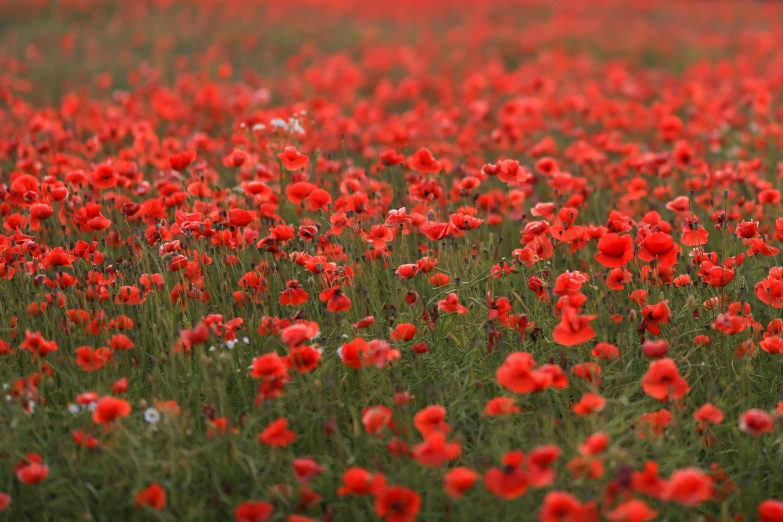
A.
pixel 246 340
pixel 151 415
pixel 279 123
pixel 212 348
pixel 73 409
pixel 259 127
pixel 340 352
pixel 297 128
pixel 92 406
pixel 230 344
pixel 6 386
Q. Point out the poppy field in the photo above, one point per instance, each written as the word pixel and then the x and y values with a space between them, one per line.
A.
pixel 423 260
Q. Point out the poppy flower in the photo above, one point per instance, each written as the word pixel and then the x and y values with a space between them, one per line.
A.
pixel 431 419
pixel 179 161
pixel 618 278
pixel 298 191
pixel 510 481
pixel 239 217
pixel 359 481
pixel 660 247
pixel 109 409
pixel 236 158
pixel 277 434
pixel 755 422
pixel 376 418
pixel 90 360
pixel 31 469
pixel 693 233
pixel 379 235
pixel 518 374
pixel 573 329
pixel 589 403
pixel 458 481
pixel 560 506
pixel 103 177
pixel 303 359
pixel 688 487
pixel 403 332
pixel 771 510
pixel 655 315
pixel 605 351
pixel 423 161
pixel 397 504
pixel 355 354
pixel 153 496
pixel 540 462
pixel 663 381
pixel 614 250
pixel 5 501
pixel 501 406
pixel 292 159
pixel 655 349
pixel 306 469
pixel 451 304
pixel 293 295
pixel 632 511
pixel 253 511
pixel 435 450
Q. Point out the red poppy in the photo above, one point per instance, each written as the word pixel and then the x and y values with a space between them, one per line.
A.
pixel 573 329
pixel 423 161
pixel 179 161
pixel 153 496
pixel 397 504
pixel 559 506
pixel 511 480
pixel 359 481
pixel 277 434
pixel 403 332
pixel 614 250
pixel 660 247
pixel 663 382
pixel 632 511
pixel 109 409
pixel 435 450
pixel 253 511
pixel 689 487
pixel 31 469
pixel 755 422
pixel 501 406
pixel 771 510
pixel 293 159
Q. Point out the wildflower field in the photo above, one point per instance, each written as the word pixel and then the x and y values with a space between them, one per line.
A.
pixel 348 260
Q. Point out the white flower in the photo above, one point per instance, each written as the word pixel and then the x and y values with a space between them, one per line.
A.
pixel 259 127
pixel 279 123
pixel 246 340
pixel 230 344
pixel 74 409
pixel 212 348
pixel 92 406
pixel 151 415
